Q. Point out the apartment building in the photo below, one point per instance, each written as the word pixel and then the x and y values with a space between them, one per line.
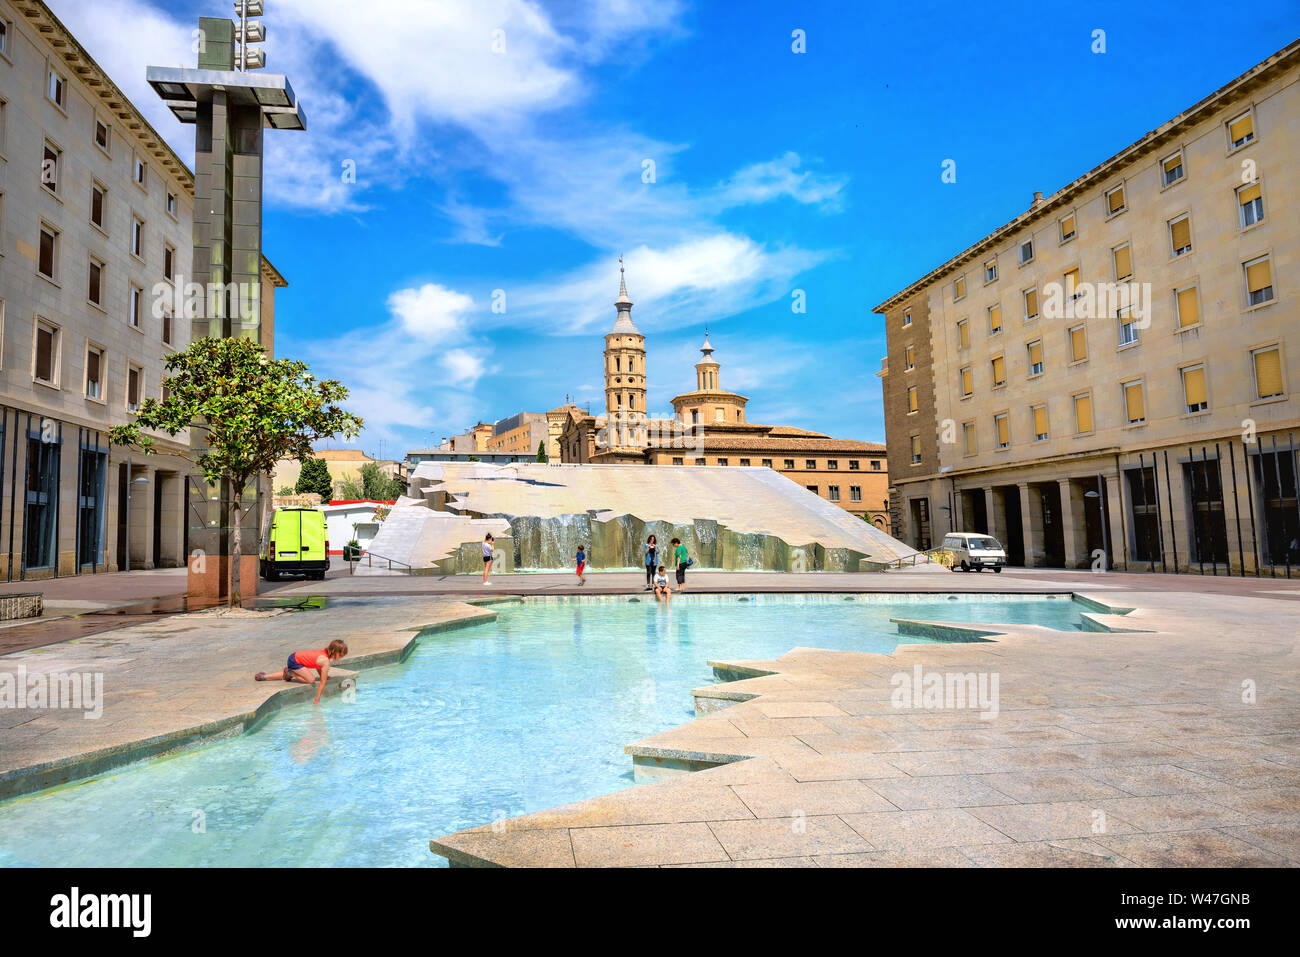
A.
pixel 1115 370
pixel 96 221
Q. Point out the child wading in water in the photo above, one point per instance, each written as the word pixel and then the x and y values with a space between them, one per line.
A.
pixel 662 589
pixel 582 564
pixel 301 664
pixel 488 547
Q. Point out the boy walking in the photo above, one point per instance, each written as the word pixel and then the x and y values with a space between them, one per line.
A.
pixel 681 562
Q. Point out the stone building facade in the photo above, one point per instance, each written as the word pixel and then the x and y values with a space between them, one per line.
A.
pixel 1114 372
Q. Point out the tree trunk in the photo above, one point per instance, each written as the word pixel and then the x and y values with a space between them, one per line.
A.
pixel 236 546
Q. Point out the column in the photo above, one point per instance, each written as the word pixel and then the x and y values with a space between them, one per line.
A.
pixel 1116 526
pixel 1031 521
pixel 995 510
pixel 142 517
pixel 1074 526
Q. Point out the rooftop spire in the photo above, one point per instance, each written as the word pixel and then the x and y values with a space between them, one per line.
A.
pixel 624 305
pixel 707 348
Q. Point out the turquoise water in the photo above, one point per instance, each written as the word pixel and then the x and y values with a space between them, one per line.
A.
pixel 517 715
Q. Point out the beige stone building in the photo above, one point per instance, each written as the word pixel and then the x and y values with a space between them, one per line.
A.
pixel 1116 368
pixel 709 427
pixel 96 220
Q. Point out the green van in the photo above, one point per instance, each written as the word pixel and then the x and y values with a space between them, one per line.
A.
pixel 294 543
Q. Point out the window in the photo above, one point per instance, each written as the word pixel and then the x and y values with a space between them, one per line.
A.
pixel 1083 414
pixel 854 465
pixel 1134 405
pixel 48 255
pixel 810 464
pixel 1070 280
pixel 1031 304
pixel 167 327
pixel 699 461
pixel 812 488
pixel 50 168
pixel 45 354
pixel 139 171
pixel 1188 311
pixel 911 399
pixel 834 492
pixel 967 384
pixel 42 502
pixel 678 460
pixel 1194 389
pixel 695 416
pixel 719 415
pixel 1040 423
pixel 95 282
pixel 3 106
pixel 1122 257
pixel 907 318
pixel 169 262
pixel 1251 203
pixel 744 463
pixel 916 450
pixel 1002 429
pixel 56 89
pixel 1259 281
pixel 833 464
pixel 1171 169
pixel 103 136
pixel 855 493
pixel 97 205
pixel 94 372
pixel 4 37
pixel 171 210
pixel 1078 343
pixel 1128 327
pixel 1180 235
pixel 1268 372
pixel 723 462
pixel 1067 228
pixel 133 388
pixel 959 289
pixel 1026 251
pixel 1115 201
pixel 990 271
pixel 789 464
pixel 995 319
pixel 1036 357
pixel 963 334
pixel 90 511
pixel 909 358
pixel 134 300
pixel 968 437
pixel 875 465
pixel 1241 130
pixel 137 237
pixel 999 371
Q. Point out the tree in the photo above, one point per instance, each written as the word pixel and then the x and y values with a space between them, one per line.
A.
pixel 315 477
pixel 284 491
pixel 541 452
pixel 254 411
pixel 372 485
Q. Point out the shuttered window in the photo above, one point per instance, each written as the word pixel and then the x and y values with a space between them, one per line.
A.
pixel 968 433
pixel 1115 200
pixel 963 335
pixel 1241 130
pixel 1172 169
pixel 916 449
pixel 1194 389
pixel 966 385
pixel 1004 434
pixel 1071 279
pixel 909 356
pixel 1133 402
pixel 959 288
pixel 995 319
pixel 1188 310
pixel 1067 227
pixel 1040 423
pixel 1251 202
pixel 1031 303
pixel 1180 234
pixel 1035 357
pixel 1078 344
pixel 911 398
pixel 999 371
pixel 1123 262
pixel 1268 372
pixel 1259 281
pixel 1083 413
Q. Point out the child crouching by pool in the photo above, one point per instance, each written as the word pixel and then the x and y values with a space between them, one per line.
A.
pixel 661 584
pixel 301 664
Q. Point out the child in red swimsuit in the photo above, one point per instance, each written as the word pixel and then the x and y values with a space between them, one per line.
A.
pixel 301 664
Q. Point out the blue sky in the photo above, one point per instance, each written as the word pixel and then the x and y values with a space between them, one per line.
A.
pixel 522 170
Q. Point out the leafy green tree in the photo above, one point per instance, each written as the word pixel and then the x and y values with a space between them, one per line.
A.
pixel 315 477
pixel 285 491
pixel 254 411
pixel 541 452
pixel 372 485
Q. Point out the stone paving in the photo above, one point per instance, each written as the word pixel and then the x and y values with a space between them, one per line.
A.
pixel 1118 750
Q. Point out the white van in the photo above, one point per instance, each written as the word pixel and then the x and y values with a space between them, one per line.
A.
pixel 974 551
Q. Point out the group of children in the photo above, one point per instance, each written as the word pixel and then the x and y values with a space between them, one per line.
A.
pixel 656 574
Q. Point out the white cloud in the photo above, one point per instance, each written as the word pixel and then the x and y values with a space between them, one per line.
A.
pixel 431 311
pixel 463 367
pixel 781 177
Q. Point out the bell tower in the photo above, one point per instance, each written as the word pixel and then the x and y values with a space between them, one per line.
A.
pixel 625 384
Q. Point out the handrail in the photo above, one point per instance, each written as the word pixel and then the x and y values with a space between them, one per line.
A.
pixel 916 558
pixel 352 565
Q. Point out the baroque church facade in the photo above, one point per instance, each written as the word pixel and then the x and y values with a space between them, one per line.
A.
pixel 709 428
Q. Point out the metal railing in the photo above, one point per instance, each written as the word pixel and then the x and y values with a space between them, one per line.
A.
pixel 369 562
pixel 916 558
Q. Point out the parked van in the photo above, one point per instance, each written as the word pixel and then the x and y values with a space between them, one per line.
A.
pixel 294 543
pixel 974 550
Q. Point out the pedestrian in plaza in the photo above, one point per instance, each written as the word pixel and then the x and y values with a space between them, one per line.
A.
pixel 582 564
pixel 651 560
pixel 681 562
pixel 662 589
pixel 489 546
pixel 302 664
